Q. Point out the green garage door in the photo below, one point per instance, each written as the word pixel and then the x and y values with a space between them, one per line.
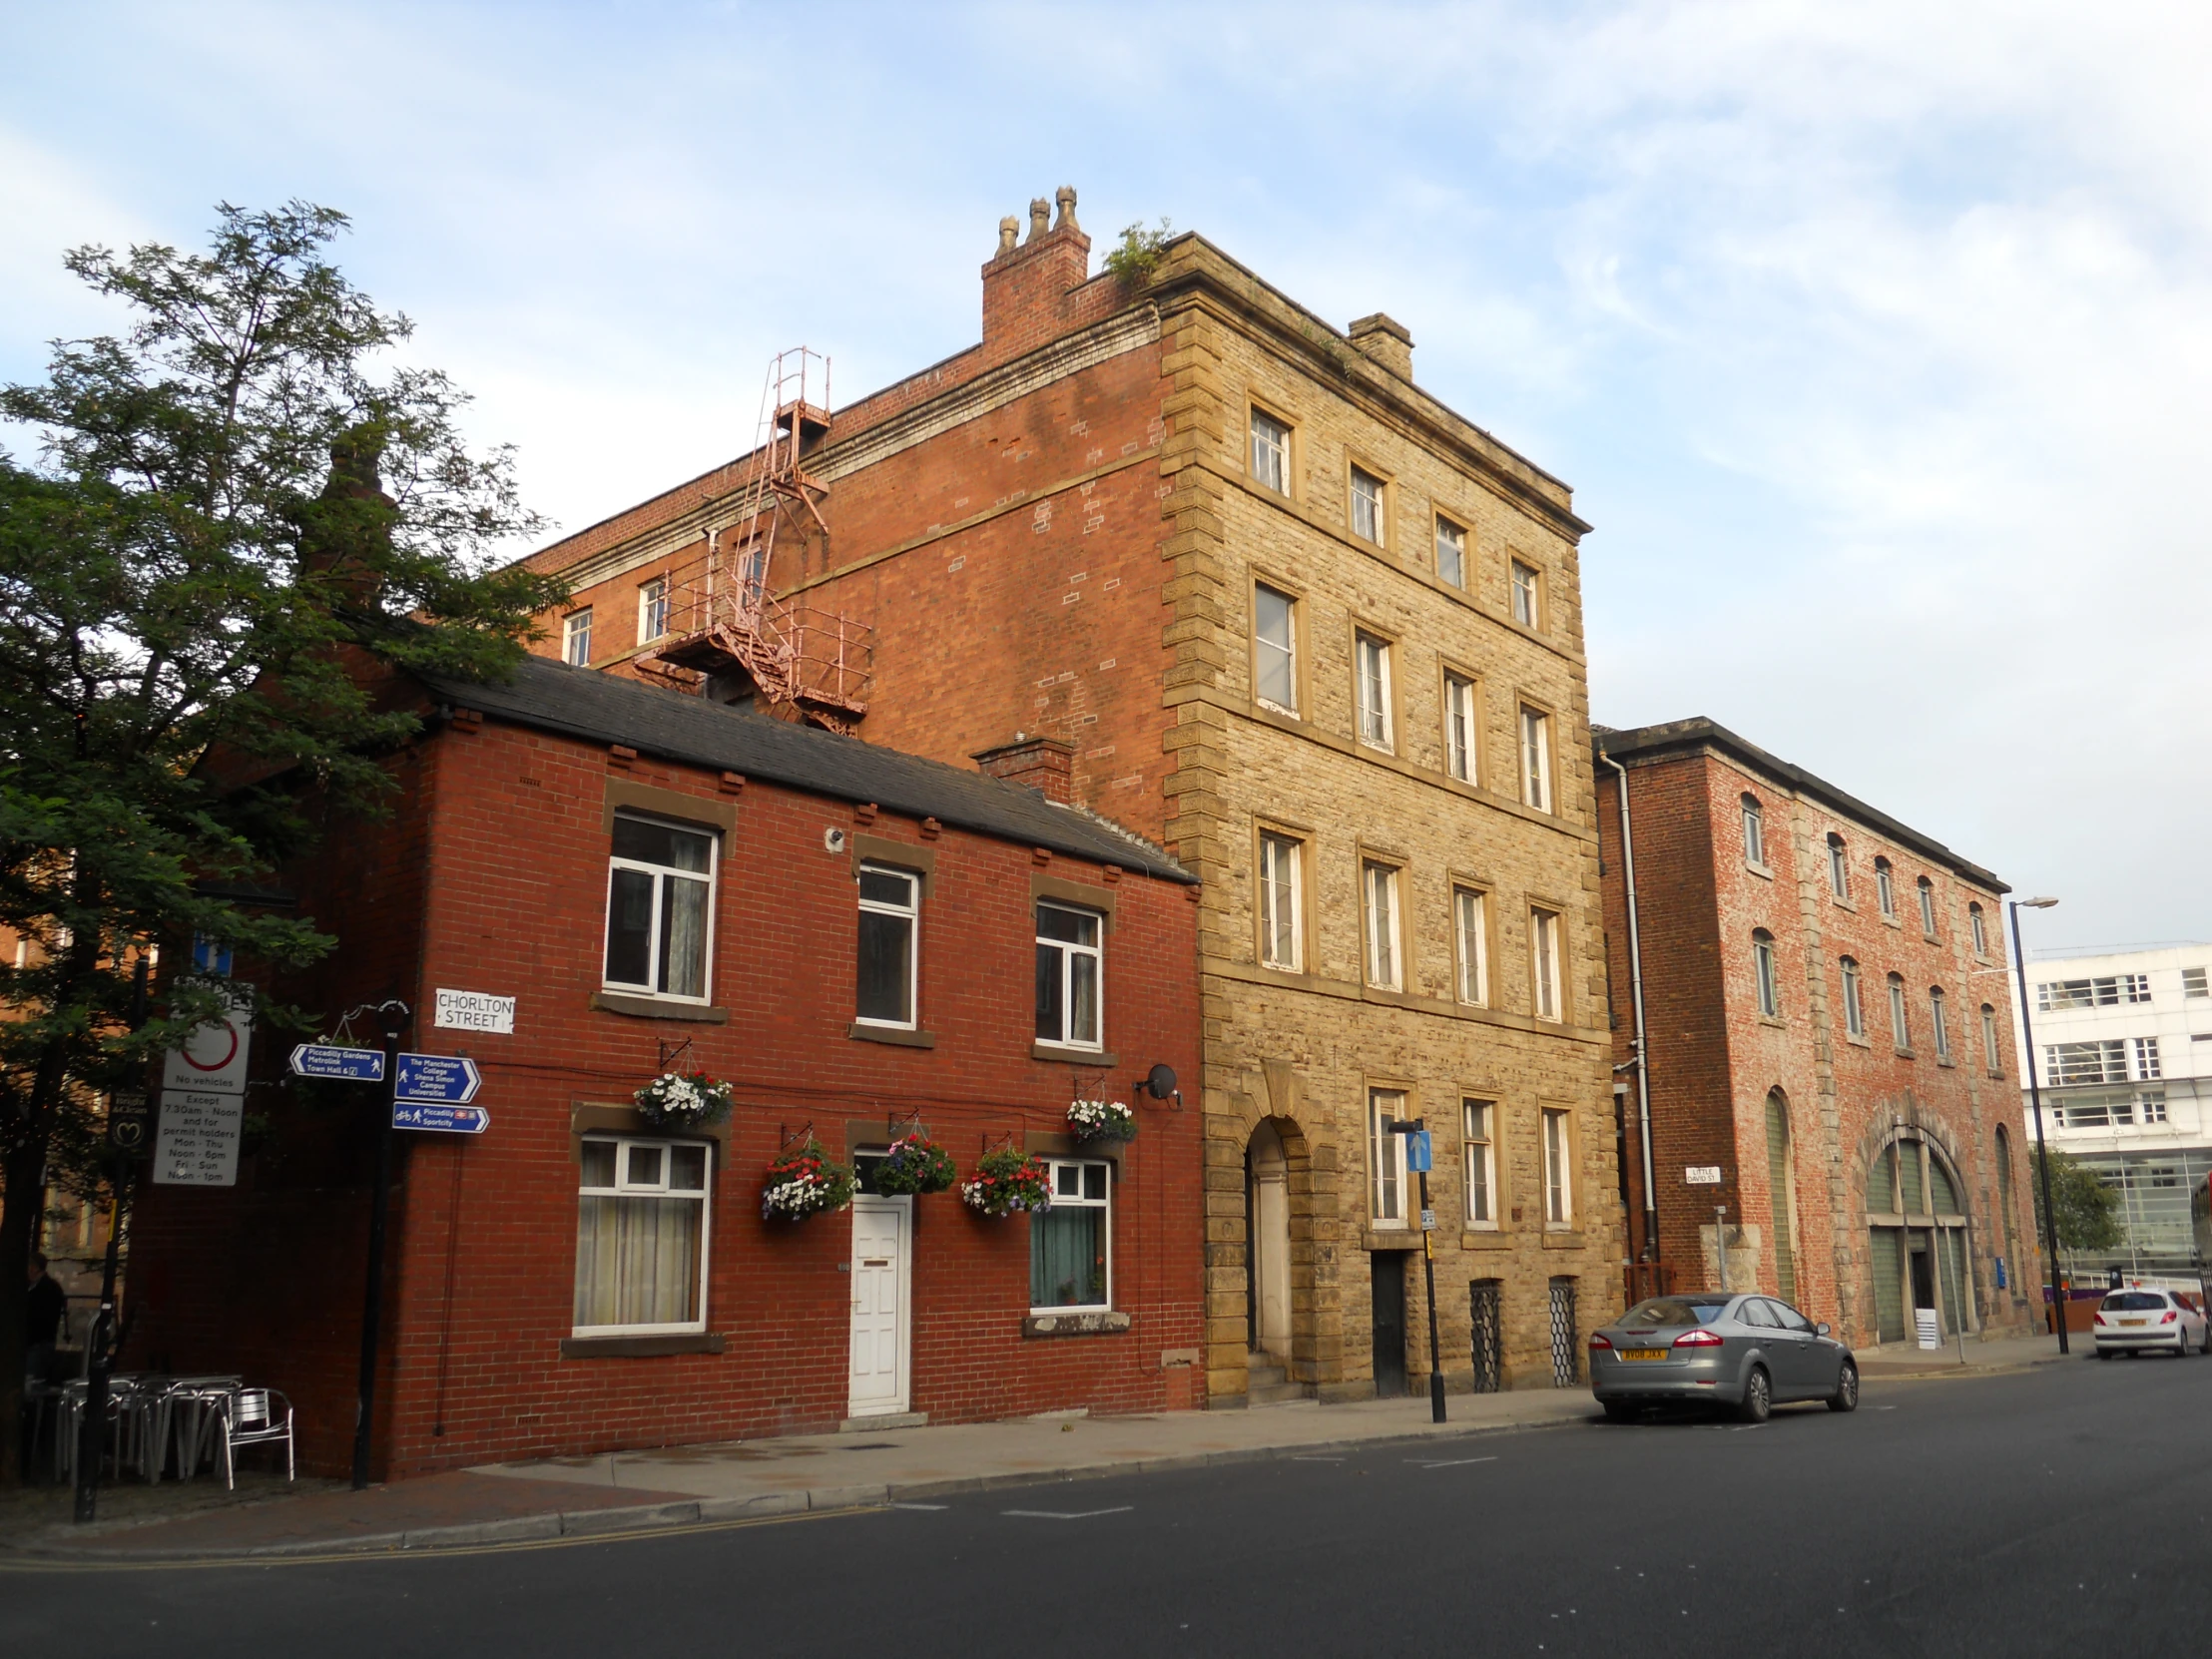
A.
pixel 1887 1262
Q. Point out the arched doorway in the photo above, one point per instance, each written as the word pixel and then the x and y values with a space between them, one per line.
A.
pixel 1917 1228
pixel 1782 1195
pixel 1268 1227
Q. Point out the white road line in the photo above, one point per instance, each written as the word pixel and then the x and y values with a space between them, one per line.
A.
pixel 1316 1459
pixel 1080 1515
pixel 1455 1463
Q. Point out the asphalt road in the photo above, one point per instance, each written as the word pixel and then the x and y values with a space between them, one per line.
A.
pixel 2063 1510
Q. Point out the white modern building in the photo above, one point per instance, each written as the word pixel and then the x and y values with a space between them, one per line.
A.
pixel 2123 1050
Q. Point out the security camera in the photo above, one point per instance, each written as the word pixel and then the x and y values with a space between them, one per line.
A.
pixel 832 841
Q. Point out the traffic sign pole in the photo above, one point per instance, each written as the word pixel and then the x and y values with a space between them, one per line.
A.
pixel 101 1339
pixel 394 1017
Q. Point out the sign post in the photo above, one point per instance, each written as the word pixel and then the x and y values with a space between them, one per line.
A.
pixel 127 1114
pixel 1420 1158
pixel 394 1018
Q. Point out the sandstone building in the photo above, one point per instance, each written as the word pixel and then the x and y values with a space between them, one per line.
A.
pixel 1824 997
pixel 1167 545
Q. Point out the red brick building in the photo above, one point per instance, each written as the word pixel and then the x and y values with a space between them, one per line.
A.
pixel 1823 993
pixel 660 883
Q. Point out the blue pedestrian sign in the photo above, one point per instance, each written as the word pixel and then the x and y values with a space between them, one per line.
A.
pixel 353 1065
pixel 441 1079
pixel 451 1120
pixel 1420 1160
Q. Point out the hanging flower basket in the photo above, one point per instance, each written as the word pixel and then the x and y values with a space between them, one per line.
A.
pixel 1005 1182
pixel 805 1181
pixel 916 1164
pixel 683 1100
pixel 1101 1120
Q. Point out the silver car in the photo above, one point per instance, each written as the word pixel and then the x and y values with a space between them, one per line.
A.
pixel 1748 1352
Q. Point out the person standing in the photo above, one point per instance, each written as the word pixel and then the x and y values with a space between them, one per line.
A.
pixel 41 1321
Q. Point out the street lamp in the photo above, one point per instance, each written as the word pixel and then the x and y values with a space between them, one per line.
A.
pixel 2035 1097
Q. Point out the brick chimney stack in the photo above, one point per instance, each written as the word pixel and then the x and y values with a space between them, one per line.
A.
pixel 1389 341
pixel 1045 765
pixel 1028 286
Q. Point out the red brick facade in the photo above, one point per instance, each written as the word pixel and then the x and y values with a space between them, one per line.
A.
pixel 492 876
pixel 1704 908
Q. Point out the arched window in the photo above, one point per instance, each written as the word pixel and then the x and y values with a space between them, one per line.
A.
pixel 1943 1026
pixel 1885 888
pixel 1755 831
pixel 1901 1032
pixel 1989 1040
pixel 1781 1194
pixel 1916 1233
pixel 1838 867
pixel 1767 974
pixel 1854 1014
pixel 1928 907
pixel 1980 927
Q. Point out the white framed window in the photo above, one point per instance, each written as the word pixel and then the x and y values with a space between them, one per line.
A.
pixel 1543 963
pixel 1386 1159
pixel 1979 924
pixel 1478 1160
pixel 1755 831
pixel 2145 1051
pixel 1470 938
pixel 660 908
pixel 1372 661
pixel 1071 976
pixel 1282 904
pixel 1558 1168
pixel 1459 727
pixel 2193 982
pixel 1379 886
pixel 1937 1018
pixel 1900 1030
pixel 1535 748
pixel 1927 889
pixel 1885 888
pixel 1071 1245
pixel 576 638
pixel 1367 505
pixel 1855 1012
pixel 1838 867
pixel 1990 1039
pixel 1528 596
pixel 2108 992
pixel 1275 648
pixel 1452 552
pixel 1766 974
pixel 887 954
pixel 641 1237
pixel 1271 452
pixel 651 610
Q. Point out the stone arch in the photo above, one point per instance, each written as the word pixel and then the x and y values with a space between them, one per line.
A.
pixel 1911 1193
pixel 1261 1128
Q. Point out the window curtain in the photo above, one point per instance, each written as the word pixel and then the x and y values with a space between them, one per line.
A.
pixel 637 1261
pixel 1067 1258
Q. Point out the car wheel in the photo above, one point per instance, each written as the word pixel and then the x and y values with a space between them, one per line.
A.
pixel 1758 1397
pixel 1845 1397
pixel 2104 1354
pixel 1620 1410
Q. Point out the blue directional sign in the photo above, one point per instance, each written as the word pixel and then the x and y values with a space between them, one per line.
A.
pixel 427 1114
pixel 1420 1160
pixel 354 1065
pixel 441 1079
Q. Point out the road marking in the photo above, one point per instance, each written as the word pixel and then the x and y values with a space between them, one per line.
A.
pixel 1455 1463
pixel 1079 1515
pixel 1316 1459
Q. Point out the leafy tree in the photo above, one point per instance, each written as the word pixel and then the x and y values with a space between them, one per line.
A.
pixel 242 506
pixel 2088 1210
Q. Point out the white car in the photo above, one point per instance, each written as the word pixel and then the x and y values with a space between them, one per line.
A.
pixel 2129 1321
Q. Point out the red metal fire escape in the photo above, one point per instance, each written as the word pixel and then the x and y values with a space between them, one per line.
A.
pixel 801 662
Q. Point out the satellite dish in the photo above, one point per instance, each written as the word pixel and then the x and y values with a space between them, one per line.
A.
pixel 1159 1082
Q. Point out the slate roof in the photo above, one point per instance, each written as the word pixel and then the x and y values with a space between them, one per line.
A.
pixel 601 707
pixel 1699 733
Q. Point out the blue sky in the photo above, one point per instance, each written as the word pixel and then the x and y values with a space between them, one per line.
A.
pixel 1875 339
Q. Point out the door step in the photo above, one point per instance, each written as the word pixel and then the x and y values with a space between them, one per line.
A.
pixel 1268 1383
pixel 884 1419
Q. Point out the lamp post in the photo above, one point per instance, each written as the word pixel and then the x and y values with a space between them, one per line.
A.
pixel 2036 1098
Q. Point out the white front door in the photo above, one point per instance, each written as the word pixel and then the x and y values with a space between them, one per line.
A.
pixel 882 1237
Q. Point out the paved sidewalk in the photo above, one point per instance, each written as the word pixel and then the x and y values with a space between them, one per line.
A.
pixel 739 1480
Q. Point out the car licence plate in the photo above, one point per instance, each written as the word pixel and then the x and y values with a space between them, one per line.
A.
pixel 1643 1353
pixel 2134 1322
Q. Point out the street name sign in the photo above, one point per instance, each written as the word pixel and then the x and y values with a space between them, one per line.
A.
pixel 441 1079
pixel 475 1011
pixel 198 1145
pixel 451 1120
pixel 1702 1175
pixel 353 1065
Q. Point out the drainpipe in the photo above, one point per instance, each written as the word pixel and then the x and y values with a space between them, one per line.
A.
pixel 1636 998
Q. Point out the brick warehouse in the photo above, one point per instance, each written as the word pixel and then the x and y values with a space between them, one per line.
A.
pixel 1825 999
pixel 1267 600
pixel 506 1336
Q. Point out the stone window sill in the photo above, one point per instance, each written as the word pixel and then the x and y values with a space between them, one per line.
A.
pixel 1760 871
pixel 1775 1022
pixel 1891 922
pixel 1563 1240
pixel 1842 903
pixel 1094 1321
pixel 1484 1238
pixel 1071 1056
pixel 651 1007
pixel 640 1348
pixel 1391 1237
pixel 1905 1054
pixel 1859 1042
pixel 892 1034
